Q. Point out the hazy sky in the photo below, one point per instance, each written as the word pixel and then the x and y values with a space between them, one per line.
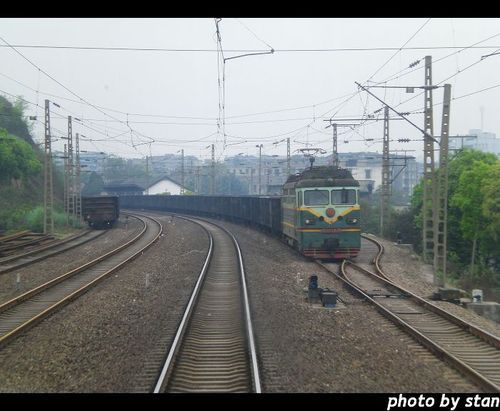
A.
pixel 172 97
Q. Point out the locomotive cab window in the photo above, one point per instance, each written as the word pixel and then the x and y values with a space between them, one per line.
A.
pixel 316 197
pixel 344 196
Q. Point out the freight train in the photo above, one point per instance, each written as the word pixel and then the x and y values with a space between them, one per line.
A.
pixel 101 211
pixel 318 213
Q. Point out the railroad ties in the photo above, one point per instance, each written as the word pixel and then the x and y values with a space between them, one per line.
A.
pixel 23 259
pixel 214 350
pixel 472 351
pixel 31 307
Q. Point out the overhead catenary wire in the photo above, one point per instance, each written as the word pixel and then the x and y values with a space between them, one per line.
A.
pixel 205 50
pixel 262 121
pixel 59 83
pixel 399 50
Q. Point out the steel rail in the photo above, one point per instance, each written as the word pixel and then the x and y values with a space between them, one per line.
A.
pixel 7 238
pixel 10 263
pixel 429 342
pixel 26 310
pixel 231 379
pixel 478 332
pixel 11 248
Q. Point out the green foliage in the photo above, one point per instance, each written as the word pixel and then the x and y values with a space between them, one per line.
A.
pixel 462 161
pixel 491 204
pixel 416 202
pixel 12 119
pixel 473 218
pixel 17 158
pixel 33 220
pixel 468 198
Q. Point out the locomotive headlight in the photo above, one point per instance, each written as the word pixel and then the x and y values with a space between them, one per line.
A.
pixel 310 221
pixel 352 220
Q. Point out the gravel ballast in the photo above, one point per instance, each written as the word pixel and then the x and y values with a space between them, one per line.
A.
pixel 307 348
pixel 102 341
pixel 406 269
pixel 39 272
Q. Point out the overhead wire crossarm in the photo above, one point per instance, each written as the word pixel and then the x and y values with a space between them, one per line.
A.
pixel 398 113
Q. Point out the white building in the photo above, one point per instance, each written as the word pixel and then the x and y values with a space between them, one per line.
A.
pixel 165 185
pixel 367 168
pixel 477 140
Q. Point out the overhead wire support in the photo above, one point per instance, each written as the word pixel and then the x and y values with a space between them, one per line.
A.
pixel 335 155
pixel 441 211
pixel 222 101
pixel 78 183
pixel 399 113
pixel 48 197
pixel 429 188
pixel 386 187
pixel 71 179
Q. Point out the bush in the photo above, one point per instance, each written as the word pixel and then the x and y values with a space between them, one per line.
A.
pixel 32 219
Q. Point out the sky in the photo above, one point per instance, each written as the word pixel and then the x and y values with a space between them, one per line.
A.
pixel 135 103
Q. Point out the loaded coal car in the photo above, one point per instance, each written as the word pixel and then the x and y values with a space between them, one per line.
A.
pixel 101 211
pixel 263 212
pixel 318 213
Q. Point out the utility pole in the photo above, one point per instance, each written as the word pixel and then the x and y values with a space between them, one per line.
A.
pixel 182 171
pixel 385 193
pixel 260 166
pixel 65 159
pixel 71 179
pixel 288 157
pixel 48 197
pixel 429 189
pixel 335 155
pixel 441 212
pixel 212 182
pixel 78 183
pixel 251 180
pixel 147 174
pixel 335 160
pixel 198 187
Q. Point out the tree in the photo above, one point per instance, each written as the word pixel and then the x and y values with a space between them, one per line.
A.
pixel 469 197
pixel 12 119
pixel 17 158
pixel 491 204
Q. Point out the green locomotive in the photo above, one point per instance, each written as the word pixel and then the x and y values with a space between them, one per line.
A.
pixel 321 213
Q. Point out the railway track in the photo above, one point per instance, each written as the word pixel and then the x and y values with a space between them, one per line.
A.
pixel 13 262
pixel 13 243
pixel 26 310
pixel 471 350
pixel 214 349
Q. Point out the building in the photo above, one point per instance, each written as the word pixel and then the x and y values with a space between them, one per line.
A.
pixel 143 186
pixel 273 171
pixel 93 161
pixel 122 189
pixel 367 169
pixel 168 163
pixel 164 185
pixel 477 140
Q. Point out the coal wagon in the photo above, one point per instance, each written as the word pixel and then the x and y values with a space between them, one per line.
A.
pixel 100 212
